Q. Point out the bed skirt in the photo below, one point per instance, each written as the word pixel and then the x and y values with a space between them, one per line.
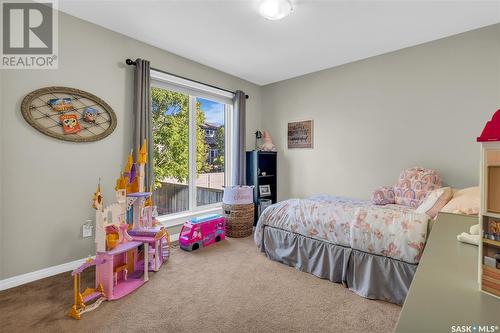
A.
pixel 368 275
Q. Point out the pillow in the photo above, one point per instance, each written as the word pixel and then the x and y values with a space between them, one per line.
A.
pixel 465 201
pixel 434 201
pixel 409 197
pixel 384 195
pixel 414 185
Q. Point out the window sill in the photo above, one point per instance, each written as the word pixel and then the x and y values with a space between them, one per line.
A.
pixel 177 219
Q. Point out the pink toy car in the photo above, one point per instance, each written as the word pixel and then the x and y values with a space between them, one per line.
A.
pixel 202 231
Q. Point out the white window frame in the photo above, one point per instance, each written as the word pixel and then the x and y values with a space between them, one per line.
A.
pixel 195 90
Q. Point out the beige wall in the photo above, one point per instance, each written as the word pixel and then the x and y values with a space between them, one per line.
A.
pixel 48 183
pixel 422 105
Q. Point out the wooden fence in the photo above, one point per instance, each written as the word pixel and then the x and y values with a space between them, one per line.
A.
pixel 173 198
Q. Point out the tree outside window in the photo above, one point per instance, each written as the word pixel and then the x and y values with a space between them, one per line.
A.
pixel 170 117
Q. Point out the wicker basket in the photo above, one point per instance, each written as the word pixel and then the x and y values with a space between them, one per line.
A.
pixel 239 220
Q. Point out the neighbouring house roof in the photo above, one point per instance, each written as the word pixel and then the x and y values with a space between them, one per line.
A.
pixel 209 126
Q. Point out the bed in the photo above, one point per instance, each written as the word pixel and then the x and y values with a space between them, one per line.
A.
pixel 373 249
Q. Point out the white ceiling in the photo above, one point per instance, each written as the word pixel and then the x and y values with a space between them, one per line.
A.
pixel 231 36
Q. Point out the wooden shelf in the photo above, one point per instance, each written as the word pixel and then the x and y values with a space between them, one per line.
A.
pixel 491 269
pixel 491 242
pixel 490 281
pixel 493 189
pixel 492 214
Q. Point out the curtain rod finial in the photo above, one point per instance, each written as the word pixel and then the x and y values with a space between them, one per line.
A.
pixel 130 62
pixel 247 97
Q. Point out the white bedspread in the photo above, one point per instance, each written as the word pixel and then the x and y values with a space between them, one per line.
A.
pixel 393 231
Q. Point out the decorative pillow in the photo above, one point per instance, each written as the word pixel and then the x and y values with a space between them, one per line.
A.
pixel 435 201
pixel 465 201
pixel 409 197
pixel 413 186
pixel 384 195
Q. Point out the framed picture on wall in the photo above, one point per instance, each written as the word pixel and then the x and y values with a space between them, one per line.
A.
pixel 300 134
pixel 265 190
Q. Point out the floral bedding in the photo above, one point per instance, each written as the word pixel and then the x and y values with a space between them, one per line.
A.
pixel 393 231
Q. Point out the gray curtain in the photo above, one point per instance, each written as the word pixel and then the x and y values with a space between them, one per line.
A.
pixel 142 113
pixel 239 112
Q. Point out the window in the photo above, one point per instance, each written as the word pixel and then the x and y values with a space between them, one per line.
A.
pixel 190 135
pixel 185 232
pixel 210 178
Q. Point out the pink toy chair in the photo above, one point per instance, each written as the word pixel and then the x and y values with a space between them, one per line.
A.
pixel 119 269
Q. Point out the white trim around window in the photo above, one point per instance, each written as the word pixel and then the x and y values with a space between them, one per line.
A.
pixel 228 155
pixel 192 153
pixel 170 82
pixel 176 219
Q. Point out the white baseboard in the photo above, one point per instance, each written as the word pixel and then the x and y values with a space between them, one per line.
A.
pixel 49 271
pixel 40 274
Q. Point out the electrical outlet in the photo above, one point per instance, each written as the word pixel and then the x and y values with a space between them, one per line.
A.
pixel 87 230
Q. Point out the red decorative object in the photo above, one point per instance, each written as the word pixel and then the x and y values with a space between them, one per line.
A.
pixel 491 131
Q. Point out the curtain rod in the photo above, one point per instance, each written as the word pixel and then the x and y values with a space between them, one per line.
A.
pixel 130 62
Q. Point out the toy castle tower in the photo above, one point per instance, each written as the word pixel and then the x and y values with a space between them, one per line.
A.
pixel 135 171
pixel 142 159
pixel 100 220
pixel 121 187
pixel 133 205
pixel 129 173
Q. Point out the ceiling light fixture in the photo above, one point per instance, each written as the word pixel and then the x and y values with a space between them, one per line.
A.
pixel 275 9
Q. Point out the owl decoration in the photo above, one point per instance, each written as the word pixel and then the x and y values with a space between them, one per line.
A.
pixel 70 123
pixel 89 115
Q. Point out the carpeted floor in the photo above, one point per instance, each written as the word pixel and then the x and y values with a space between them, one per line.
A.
pixel 227 287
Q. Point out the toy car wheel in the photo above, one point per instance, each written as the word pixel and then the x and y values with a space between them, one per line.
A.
pixel 217 239
pixel 196 246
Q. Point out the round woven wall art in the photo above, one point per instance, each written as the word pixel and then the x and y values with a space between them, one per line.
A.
pixel 68 114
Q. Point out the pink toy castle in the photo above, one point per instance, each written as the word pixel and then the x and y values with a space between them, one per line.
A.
pixel 129 242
